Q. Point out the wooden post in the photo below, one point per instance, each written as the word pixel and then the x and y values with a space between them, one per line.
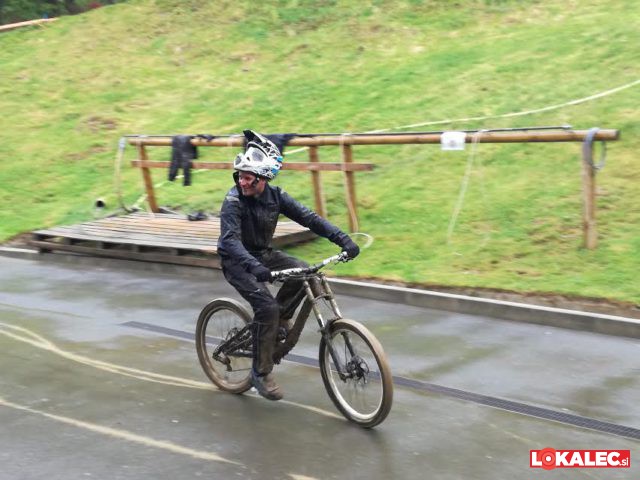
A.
pixel 590 233
pixel 148 182
pixel 350 190
pixel 321 208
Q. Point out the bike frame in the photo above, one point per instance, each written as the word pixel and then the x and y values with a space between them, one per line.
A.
pixel 238 342
pixel 307 274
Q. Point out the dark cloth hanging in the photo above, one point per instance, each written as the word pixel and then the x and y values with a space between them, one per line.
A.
pixel 279 139
pixel 182 153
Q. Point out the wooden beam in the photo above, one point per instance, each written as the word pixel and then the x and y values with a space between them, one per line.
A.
pixel 300 166
pixel 210 261
pixel 28 23
pixel 398 138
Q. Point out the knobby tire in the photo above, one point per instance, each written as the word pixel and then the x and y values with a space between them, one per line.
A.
pixel 349 396
pixel 214 323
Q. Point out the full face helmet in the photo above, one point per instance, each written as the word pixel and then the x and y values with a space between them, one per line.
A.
pixel 261 157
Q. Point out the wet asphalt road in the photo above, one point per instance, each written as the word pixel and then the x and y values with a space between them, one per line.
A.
pixel 100 380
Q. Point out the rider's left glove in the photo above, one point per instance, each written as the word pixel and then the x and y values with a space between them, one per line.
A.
pixel 351 248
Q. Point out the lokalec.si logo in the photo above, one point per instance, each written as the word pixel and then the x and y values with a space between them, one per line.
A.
pixel 550 458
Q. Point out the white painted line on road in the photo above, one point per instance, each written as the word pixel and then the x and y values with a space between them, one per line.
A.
pixel 14 306
pixel 38 341
pixel 32 338
pixel 123 434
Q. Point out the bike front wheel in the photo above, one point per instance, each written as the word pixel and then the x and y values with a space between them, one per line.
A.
pixel 224 344
pixel 362 387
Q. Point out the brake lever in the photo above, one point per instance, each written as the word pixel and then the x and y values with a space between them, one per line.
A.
pixel 344 257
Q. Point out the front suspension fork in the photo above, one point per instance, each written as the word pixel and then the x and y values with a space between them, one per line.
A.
pixel 327 294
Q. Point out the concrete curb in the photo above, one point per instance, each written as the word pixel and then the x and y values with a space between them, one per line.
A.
pixel 520 312
pixel 19 253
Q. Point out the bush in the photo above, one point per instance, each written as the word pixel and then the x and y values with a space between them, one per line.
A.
pixel 12 11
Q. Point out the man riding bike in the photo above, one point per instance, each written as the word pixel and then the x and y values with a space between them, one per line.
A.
pixel 248 221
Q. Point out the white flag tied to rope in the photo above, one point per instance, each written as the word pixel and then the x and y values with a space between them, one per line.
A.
pixel 452 140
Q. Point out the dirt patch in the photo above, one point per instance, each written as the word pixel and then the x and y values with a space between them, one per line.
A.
pixel 74 157
pixel 19 241
pixel 96 124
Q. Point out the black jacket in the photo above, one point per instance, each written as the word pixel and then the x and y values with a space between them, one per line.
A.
pixel 247 224
pixel 182 152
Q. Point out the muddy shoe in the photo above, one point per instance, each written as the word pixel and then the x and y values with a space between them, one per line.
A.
pixel 266 386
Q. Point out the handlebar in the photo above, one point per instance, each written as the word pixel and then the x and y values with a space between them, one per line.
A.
pixel 292 272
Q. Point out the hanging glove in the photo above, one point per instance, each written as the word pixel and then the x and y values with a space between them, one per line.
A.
pixel 350 247
pixel 262 273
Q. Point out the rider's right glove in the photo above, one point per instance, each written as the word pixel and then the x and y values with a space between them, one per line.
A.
pixel 351 248
pixel 262 273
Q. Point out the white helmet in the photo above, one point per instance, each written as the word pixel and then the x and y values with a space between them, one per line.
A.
pixel 261 157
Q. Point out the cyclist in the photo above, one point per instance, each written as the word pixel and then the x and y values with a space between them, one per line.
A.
pixel 248 220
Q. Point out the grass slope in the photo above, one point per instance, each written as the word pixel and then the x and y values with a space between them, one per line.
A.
pixel 70 90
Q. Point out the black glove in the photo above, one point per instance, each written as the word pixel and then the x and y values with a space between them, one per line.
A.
pixel 351 248
pixel 262 273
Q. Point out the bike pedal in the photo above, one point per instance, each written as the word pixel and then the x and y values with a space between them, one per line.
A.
pixel 282 334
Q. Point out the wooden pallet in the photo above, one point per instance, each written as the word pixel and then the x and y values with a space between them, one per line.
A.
pixel 162 237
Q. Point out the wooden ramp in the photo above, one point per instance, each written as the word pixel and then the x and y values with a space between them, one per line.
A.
pixel 161 237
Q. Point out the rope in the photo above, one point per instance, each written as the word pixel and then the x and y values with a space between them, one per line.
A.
pixel 464 185
pixel 117 178
pixel 587 149
pixel 368 239
pixel 518 114
pixel 441 122
pixel 504 115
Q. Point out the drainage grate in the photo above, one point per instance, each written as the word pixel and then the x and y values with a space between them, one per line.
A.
pixel 495 402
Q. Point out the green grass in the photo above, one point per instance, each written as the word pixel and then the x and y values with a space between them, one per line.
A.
pixel 70 90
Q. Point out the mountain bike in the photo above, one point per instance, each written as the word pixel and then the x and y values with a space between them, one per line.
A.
pixel 353 365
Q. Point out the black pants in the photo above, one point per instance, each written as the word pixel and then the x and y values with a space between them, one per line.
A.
pixel 269 312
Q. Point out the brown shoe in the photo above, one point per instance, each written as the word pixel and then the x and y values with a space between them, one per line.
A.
pixel 266 386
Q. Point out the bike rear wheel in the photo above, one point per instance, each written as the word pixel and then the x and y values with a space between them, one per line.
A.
pixel 224 320
pixel 365 395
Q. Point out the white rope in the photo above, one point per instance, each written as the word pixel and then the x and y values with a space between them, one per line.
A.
pixel 466 119
pixel 117 177
pixel 465 184
pixel 465 181
pixel 518 114
pixel 504 115
pixel 368 239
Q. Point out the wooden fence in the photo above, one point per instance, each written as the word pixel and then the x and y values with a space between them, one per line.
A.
pixel 349 167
